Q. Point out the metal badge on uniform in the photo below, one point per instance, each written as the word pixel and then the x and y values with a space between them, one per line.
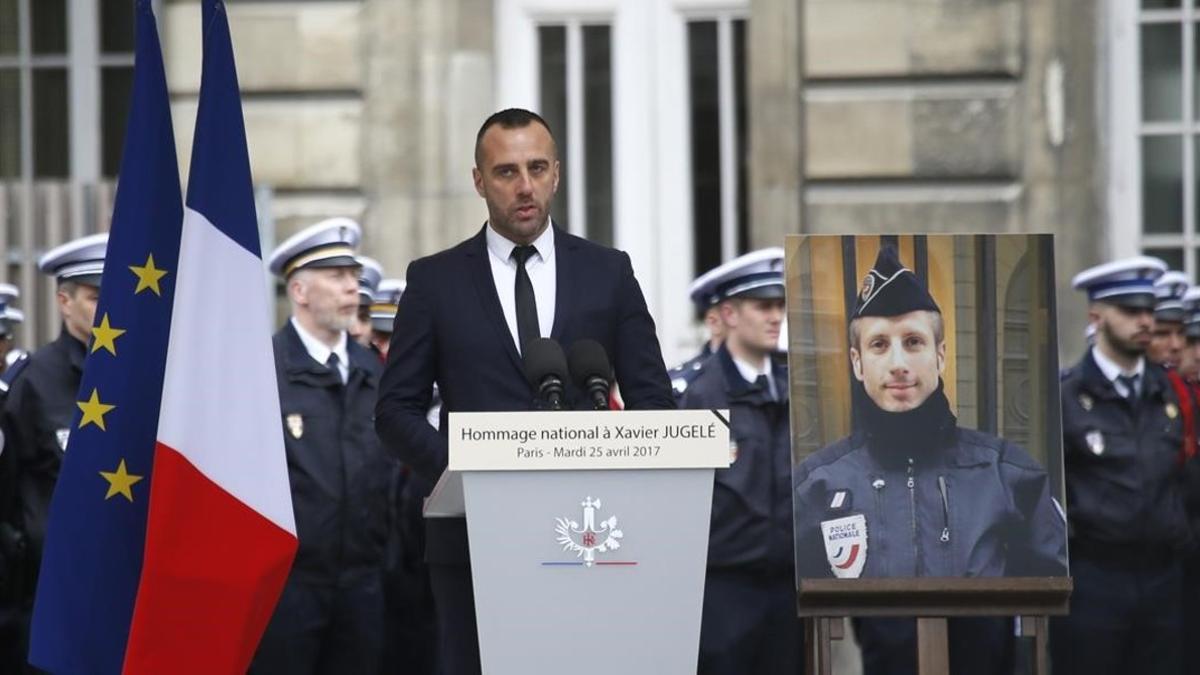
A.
pixel 1095 442
pixel 679 385
pixel 846 545
pixel 63 436
pixel 1171 410
pixel 295 424
pixel 1086 401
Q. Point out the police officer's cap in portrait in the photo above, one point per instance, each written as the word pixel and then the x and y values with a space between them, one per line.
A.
pixel 80 261
pixel 1128 282
pixel 368 279
pixel 1169 290
pixel 891 289
pixel 329 243
pixel 383 306
pixel 757 274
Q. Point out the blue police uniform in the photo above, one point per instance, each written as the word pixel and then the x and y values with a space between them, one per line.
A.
pixel 684 374
pixel 749 622
pixel 330 616
pixel 1127 520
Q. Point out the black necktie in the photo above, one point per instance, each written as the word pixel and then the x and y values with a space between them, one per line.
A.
pixel 332 365
pixel 527 315
pixel 1130 382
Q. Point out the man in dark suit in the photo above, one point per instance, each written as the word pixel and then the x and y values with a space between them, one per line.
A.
pixel 466 314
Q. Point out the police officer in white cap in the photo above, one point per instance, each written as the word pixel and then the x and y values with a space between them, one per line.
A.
pixel 368 282
pixel 749 622
pixel 40 403
pixel 383 314
pixel 1122 433
pixel 10 318
pixel 330 616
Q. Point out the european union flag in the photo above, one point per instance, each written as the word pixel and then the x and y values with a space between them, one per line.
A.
pixel 92 561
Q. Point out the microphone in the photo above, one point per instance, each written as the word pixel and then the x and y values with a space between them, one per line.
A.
pixel 591 371
pixel 546 369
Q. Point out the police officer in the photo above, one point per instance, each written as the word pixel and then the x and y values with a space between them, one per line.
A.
pixel 10 318
pixel 910 493
pixel 1122 431
pixel 368 282
pixel 749 620
pixel 330 616
pixel 708 304
pixel 383 314
pixel 41 400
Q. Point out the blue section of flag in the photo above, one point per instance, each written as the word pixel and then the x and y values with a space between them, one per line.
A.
pixel 92 559
pixel 219 185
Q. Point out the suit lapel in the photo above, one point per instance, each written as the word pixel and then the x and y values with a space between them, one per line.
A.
pixel 485 288
pixel 565 280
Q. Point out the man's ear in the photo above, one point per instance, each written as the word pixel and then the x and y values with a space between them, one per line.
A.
pixel 856 363
pixel 297 291
pixel 729 313
pixel 477 178
pixel 941 357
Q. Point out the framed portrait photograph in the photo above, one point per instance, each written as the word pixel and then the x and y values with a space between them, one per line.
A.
pixel 926 424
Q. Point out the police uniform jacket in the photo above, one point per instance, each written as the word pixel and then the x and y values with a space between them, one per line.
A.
pixel 752 503
pixel 972 505
pixel 339 474
pixel 1124 484
pixel 38 413
pixel 685 373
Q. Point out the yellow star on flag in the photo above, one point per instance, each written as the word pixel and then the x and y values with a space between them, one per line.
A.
pixel 105 336
pixel 94 411
pixel 148 276
pixel 120 482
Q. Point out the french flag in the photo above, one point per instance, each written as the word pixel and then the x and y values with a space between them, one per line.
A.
pixel 171 530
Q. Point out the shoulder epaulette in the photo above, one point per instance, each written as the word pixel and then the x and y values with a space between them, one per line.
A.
pixel 12 372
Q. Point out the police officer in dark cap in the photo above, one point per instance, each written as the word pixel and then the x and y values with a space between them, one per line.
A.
pixel 1122 431
pixel 910 493
pixel 749 623
pixel 330 616
pixel 703 294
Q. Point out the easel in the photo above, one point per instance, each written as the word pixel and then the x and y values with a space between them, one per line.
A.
pixel 824 604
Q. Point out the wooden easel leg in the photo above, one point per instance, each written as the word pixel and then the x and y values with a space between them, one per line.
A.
pixel 824 655
pixel 933 656
pixel 810 644
pixel 1038 628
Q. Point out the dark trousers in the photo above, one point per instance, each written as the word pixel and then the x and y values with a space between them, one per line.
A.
pixel 978 645
pixel 749 625
pixel 319 629
pixel 1126 617
pixel 454 597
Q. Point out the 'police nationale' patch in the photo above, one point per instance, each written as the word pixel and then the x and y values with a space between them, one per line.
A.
pixel 846 545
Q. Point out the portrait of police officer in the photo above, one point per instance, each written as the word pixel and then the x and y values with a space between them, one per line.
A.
pixel 330 616
pixel 910 493
pixel 41 401
pixel 749 624
pixel 1122 434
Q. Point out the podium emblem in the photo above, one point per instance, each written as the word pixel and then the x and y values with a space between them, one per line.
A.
pixel 589 539
pixel 846 545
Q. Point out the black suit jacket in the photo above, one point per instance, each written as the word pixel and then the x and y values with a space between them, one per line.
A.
pixel 450 329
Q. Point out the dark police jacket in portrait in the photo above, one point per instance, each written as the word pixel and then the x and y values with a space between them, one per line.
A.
pixel 752 499
pixel 338 471
pixel 935 500
pixel 450 329
pixel 38 415
pixel 1123 476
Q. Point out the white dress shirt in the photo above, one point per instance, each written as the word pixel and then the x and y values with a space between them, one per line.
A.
pixel 1111 370
pixel 751 373
pixel 320 351
pixel 541 270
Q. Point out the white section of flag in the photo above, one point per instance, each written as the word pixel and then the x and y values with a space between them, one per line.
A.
pixel 220 401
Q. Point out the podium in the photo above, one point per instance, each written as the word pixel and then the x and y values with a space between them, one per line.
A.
pixel 588 535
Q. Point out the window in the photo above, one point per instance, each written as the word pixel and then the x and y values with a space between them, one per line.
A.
pixel 575 93
pixel 717 111
pixel 1167 131
pixel 66 73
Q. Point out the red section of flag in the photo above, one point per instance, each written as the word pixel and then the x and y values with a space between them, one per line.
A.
pixel 213 571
